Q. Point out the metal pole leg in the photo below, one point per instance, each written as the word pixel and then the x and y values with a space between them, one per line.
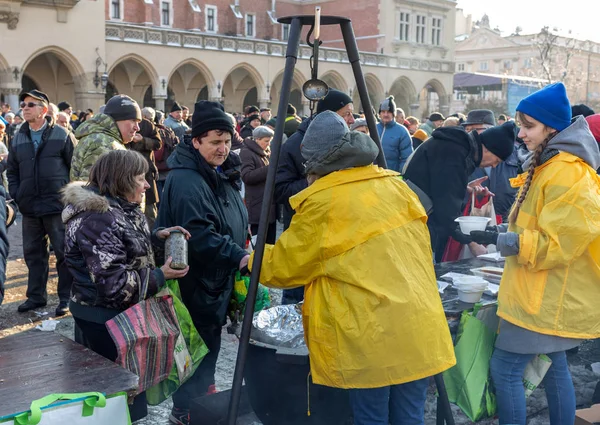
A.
pixel 361 85
pixel 443 404
pixel 238 377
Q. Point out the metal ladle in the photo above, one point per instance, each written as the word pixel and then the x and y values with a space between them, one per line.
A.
pixel 315 89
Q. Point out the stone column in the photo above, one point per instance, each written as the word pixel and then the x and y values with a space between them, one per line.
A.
pixel 306 107
pixel 11 95
pixel 414 110
pixel 94 101
pixel 263 103
pixel 159 102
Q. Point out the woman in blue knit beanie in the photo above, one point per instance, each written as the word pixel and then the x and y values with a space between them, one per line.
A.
pixel 548 296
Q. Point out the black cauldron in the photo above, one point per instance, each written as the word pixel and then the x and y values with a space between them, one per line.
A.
pixel 279 389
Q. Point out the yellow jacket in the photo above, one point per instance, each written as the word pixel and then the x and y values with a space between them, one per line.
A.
pixel 553 285
pixel 372 313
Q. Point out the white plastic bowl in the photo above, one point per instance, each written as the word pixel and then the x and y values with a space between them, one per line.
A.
pixel 470 297
pixel 470 288
pixel 470 223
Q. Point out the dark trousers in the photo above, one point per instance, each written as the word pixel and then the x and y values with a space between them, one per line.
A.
pixel 36 232
pixel 271 232
pixel 292 296
pixel 95 336
pixel 204 376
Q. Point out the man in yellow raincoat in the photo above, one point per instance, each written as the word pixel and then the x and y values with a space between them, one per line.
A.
pixel 373 318
pixel 548 299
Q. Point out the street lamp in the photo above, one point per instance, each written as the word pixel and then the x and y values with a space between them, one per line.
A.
pixel 268 87
pixel 100 80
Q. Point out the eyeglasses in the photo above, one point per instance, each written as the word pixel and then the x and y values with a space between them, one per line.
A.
pixel 30 104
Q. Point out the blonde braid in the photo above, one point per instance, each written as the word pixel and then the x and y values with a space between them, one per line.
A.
pixel 535 161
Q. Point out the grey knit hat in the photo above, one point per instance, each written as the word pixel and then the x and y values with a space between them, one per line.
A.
pixel 360 122
pixel 388 104
pixel 329 146
pixel 262 131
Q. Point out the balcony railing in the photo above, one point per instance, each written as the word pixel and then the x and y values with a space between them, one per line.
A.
pixel 194 40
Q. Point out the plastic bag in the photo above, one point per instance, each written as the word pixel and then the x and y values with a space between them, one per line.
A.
pixel 190 349
pixel 237 304
pixel 534 373
pixel 468 382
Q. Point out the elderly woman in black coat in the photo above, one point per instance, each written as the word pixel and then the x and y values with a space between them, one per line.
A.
pixel 255 165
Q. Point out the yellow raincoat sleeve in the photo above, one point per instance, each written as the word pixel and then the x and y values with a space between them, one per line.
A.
pixel 295 259
pixel 567 224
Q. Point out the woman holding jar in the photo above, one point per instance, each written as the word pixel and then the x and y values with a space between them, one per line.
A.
pixel 549 291
pixel 108 250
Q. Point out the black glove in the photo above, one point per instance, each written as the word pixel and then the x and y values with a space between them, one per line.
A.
pixel 485 237
pixel 244 271
pixel 460 237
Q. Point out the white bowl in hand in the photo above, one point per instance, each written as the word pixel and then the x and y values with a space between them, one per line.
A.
pixel 470 223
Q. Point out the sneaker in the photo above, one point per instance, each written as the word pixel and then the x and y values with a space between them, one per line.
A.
pixel 62 309
pixel 29 305
pixel 179 416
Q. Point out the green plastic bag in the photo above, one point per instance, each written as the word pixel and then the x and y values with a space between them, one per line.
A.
pixel 468 383
pixel 237 304
pixel 193 343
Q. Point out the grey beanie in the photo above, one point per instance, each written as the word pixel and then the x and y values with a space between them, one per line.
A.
pixel 262 131
pixel 360 122
pixel 329 146
pixel 388 104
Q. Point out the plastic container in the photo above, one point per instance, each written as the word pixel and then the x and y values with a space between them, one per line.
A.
pixel 471 223
pixel 176 247
pixel 470 288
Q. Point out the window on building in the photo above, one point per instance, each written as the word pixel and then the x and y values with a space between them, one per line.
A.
pixel 250 26
pixel 285 32
pixel 508 64
pixel 483 66
pixel 421 24
pixel 165 12
pixel 436 31
pixel 115 9
pixel 211 18
pixel 461 67
pixel 404 34
pixel 527 63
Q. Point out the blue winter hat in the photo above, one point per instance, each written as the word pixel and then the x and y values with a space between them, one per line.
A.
pixel 550 106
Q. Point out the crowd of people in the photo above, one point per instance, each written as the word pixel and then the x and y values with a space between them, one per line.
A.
pixel 359 241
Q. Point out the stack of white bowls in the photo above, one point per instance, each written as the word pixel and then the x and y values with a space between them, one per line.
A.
pixel 470 288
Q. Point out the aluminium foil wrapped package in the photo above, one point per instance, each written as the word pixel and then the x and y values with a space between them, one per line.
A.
pixel 280 326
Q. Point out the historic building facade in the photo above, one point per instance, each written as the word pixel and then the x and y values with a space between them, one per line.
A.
pixel 233 51
pixel 484 50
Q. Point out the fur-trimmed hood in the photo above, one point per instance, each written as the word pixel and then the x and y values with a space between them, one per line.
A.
pixel 77 197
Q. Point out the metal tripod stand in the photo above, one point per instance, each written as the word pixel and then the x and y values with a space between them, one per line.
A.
pixel 296 23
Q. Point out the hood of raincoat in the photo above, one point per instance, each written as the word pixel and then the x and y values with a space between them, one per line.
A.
pixel 577 139
pixel 372 314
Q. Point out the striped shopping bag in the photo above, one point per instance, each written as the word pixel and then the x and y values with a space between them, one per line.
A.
pixel 145 336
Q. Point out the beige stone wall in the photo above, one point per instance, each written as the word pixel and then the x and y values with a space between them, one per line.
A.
pixel 157 65
pixel 72 42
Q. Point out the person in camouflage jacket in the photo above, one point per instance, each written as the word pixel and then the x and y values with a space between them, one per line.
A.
pixel 104 133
